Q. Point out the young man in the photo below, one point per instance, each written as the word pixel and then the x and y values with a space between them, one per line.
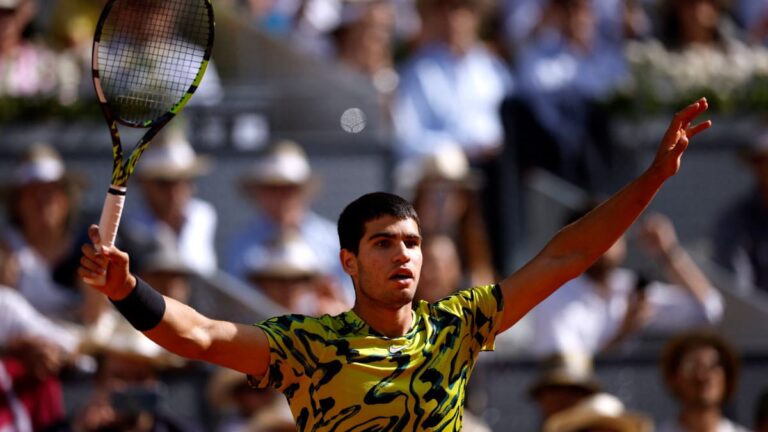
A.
pixel 384 365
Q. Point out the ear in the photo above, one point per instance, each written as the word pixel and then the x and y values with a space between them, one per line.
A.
pixel 348 262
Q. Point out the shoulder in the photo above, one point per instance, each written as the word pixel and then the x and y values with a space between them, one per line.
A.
pixel 197 206
pixel 296 324
pixel 480 297
pixel 315 221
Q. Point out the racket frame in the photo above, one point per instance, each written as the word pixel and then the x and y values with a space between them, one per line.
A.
pixel 122 168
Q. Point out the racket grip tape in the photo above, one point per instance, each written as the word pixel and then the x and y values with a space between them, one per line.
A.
pixel 108 224
pixel 110 215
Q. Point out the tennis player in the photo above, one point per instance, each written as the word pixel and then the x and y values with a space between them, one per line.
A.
pixel 385 365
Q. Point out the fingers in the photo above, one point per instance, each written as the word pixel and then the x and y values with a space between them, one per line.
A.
pixel 684 117
pixel 692 131
pixel 687 114
pixel 94 263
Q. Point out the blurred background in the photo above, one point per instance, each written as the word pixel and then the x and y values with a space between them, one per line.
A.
pixel 502 120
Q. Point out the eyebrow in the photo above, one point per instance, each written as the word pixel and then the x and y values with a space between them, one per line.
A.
pixel 389 235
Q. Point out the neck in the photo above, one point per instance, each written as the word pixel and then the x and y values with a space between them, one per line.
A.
pixel 700 418
pixel 388 322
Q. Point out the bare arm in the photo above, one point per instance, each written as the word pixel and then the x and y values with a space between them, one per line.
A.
pixel 572 250
pixel 182 330
pixel 658 235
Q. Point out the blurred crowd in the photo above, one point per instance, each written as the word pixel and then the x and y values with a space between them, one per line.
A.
pixel 473 90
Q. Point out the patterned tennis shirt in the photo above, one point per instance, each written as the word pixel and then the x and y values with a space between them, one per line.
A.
pixel 338 374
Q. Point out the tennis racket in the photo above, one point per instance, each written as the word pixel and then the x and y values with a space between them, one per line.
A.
pixel 148 58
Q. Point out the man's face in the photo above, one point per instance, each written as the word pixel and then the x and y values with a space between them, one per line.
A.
pixel 700 379
pixel 295 294
pixel 44 204
pixel 387 266
pixel 284 204
pixel 167 197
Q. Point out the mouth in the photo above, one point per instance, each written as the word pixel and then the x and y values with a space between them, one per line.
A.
pixel 400 275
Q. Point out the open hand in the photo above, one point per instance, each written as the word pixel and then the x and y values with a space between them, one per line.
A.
pixel 677 138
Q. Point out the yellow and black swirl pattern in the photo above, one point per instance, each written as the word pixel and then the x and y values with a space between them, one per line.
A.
pixel 340 375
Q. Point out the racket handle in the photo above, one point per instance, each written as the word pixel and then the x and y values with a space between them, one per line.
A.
pixel 108 223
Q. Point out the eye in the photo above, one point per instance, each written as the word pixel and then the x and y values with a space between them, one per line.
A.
pixel 413 243
pixel 382 243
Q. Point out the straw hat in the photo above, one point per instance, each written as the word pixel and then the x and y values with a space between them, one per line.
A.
pixel 159 253
pixel 42 164
pixel 449 164
pixel 284 164
pixel 601 409
pixel 171 158
pixel 288 258
pixel 10 4
pixel 566 370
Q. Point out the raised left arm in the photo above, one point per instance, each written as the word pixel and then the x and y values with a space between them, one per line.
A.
pixel 574 248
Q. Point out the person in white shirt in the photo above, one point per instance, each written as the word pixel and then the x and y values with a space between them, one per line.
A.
pixel 601 308
pixel 42 199
pixel 166 175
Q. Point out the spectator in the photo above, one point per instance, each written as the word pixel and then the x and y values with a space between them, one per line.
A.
pixel 19 321
pixel 556 121
pixel 603 307
pixel 42 203
pixel 601 412
pixel 446 195
pixel 289 273
pixel 162 266
pixel 753 16
pixel 236 401
pixel 30 391
pixel 701 371
pixel 527 19
pixel 451 88
pixel 304 23
pixel 450 93
pixel 761 413
pixel 692 24
pixel 740 239
pixel 281 184
pixel 33 351
pixel 30 69
pixel 127 393
pixel 564 380
pixel 440 271
pixel 364 42
pixel 166 175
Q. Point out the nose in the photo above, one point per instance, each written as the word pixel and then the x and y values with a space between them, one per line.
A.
pixel 402 254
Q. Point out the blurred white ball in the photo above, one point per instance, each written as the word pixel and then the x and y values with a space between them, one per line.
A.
pixel 353 120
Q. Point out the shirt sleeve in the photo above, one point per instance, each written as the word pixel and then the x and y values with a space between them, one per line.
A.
pixel 676 309
pixel 480 310
pixel 293 351
pixel 19 319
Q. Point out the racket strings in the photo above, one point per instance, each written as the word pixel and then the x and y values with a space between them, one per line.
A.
pixel 150 53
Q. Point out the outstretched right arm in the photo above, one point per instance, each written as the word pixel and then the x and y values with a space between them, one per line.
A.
pixel 179 328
